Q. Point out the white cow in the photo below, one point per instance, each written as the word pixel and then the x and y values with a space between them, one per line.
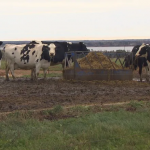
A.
pixel 28 56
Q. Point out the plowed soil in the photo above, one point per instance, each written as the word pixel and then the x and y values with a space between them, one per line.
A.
pixel 23 94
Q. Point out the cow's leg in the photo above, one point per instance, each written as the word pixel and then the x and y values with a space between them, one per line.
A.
pixel 45 73
pixel 33 74
pixel 7 70
pixel 140 73
pixel 37 71
pixel 148 71
pixel 63 64
pixel 12 70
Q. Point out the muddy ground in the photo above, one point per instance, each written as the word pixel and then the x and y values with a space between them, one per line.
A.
pixel 23 94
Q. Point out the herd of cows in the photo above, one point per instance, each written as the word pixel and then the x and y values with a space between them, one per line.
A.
pixel 36 55
pixel 39 54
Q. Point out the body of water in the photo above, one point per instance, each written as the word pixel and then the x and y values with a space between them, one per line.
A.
pixel 128 48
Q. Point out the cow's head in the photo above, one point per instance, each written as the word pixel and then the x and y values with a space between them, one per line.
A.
pixel 83 46
pixel 52 51
pixel 142 51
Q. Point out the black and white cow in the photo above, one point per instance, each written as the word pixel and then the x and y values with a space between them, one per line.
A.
pixel 28 56
pixel 145 53
pixel 140 62
pixel 60 49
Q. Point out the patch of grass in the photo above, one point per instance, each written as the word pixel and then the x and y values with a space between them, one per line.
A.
pixel 136 104
pixel 80 110
pixel 21 115
pixel 107 130
pixel 117 62
pixel 56 110
pixel 56 67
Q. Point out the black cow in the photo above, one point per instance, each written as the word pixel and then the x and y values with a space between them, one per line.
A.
pixel 130 59
pixel 62 47
pixel 1 42
pixel 136 62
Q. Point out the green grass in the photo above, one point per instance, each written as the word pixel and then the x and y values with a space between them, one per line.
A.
pixel 56 68
pixel 108 130
pixel 117 62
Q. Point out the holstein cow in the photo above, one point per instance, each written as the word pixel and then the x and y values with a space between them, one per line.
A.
pixel 145 53
pixel 62 47
pixel 28 56
pixel 136 62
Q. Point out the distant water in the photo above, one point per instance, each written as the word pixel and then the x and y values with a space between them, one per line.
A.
pixel 128 48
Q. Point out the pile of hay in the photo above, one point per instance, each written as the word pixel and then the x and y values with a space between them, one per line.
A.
pixel 94 61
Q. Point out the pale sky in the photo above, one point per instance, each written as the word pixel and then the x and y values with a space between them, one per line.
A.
pixel 74 19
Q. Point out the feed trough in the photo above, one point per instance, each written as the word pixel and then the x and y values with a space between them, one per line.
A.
pixel 94 66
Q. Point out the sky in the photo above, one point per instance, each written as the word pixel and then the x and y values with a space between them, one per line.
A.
pixel 74 19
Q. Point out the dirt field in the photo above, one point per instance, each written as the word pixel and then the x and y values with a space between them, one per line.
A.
pixel 23 94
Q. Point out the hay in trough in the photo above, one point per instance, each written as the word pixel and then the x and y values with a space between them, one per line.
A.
pixel 96 61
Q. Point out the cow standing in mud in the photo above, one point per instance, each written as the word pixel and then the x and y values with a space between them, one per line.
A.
pixel 144 52
pixel 28 56
pixel 140 62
